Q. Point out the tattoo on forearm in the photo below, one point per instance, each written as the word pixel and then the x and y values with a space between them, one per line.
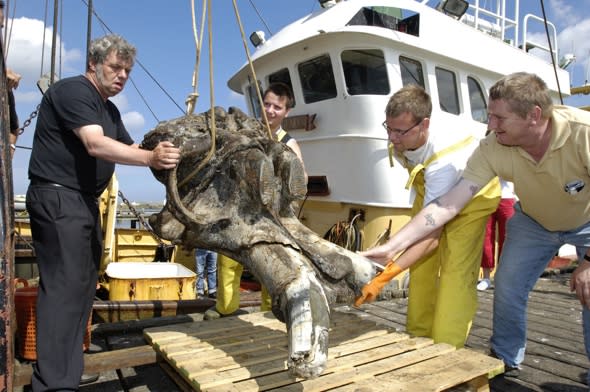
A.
pixel 474 189
pixel 429 220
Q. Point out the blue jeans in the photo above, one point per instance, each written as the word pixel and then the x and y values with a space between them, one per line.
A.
pixel 528 248
pixel 206 261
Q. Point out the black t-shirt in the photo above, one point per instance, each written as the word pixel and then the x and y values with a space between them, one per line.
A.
pixel 58 155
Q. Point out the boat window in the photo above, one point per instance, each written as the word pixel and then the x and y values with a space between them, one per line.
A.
pixel 392 18
pixel 365 72
pixel 411 71
pixel 448 95
pixel 282 76
pixel 317 79
pixel 253 99
pixel 477 100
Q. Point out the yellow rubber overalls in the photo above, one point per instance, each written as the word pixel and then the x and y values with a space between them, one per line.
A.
pixel 442 296
pixel 228 286
pixel 229 274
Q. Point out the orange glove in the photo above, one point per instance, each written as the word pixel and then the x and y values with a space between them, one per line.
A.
pixel 372 289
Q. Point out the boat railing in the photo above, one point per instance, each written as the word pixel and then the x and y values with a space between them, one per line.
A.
pixel 492 18
pixel 497 19
pixel 529 44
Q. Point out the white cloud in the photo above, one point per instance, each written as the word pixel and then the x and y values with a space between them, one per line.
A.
pixel 27 97
pixel 135 124
pixel 565 12
pixel 570 42
pixel 121 101
pixel 28 52
pixel 572 20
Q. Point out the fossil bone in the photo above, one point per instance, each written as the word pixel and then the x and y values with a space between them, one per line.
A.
pixel 239 201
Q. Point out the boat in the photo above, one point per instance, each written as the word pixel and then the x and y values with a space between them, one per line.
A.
pixel 346 59
pixel 343 62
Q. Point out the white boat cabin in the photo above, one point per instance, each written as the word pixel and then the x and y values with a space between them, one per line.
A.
pixel 346 59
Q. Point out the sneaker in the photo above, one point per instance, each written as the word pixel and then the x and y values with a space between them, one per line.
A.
pixel 509 371
pixel 484 284
pixel 88 378
pixel 213 295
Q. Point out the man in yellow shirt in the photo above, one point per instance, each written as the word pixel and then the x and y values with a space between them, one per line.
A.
pixel 544 150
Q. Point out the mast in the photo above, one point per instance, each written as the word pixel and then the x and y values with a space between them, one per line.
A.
pixel 88 28
pixel 54 42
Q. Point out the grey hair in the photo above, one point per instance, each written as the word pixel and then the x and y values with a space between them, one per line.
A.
pixel 101 47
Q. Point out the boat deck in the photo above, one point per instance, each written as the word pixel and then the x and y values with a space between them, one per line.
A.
pixel 555 359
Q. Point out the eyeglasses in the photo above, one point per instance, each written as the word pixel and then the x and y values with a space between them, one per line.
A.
pixel 400 132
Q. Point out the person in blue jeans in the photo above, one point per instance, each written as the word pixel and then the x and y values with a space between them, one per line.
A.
pixel 544 150
pixel 206 261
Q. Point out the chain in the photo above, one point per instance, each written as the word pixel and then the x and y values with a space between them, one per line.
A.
pixel 28 120
pixel 140 218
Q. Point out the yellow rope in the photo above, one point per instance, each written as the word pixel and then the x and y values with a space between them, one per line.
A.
pixel 212 100
pixel 191 100
pixel 258 93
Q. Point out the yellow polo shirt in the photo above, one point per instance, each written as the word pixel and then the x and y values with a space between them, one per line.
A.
pixel 540 187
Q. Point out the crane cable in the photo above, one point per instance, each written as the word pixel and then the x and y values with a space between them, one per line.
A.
pixel 194 95
pixel 211 91
pixel 191 100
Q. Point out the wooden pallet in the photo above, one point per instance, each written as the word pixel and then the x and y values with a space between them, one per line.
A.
pixel 249 353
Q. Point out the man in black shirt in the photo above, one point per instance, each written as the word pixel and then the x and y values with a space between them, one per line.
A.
pixel 79 137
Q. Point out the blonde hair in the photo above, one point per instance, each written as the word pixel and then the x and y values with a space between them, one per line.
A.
pixel 409 99
pixel 523 91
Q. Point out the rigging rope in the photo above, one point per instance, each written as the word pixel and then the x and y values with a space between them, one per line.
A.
pixel 260 17
pixel 106 28
pixel 251 65
pixel 8 31
pixel 551 51
pixel 43 42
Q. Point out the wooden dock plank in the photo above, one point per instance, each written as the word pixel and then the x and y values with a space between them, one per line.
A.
pixel 338 366
pixel 370 370
pixel 226 357
pixel 360 349
pixel 252 352
pixel 458 367
pixel 345 334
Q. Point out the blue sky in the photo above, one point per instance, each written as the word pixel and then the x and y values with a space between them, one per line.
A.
pixel 162 32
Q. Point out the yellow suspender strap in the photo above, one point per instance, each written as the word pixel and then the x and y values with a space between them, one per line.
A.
pixel 437 155
pixel 281 134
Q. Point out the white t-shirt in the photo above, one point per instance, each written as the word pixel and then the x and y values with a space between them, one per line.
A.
pixel 442 174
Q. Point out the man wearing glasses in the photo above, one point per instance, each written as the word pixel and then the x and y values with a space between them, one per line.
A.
pixel 444 266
